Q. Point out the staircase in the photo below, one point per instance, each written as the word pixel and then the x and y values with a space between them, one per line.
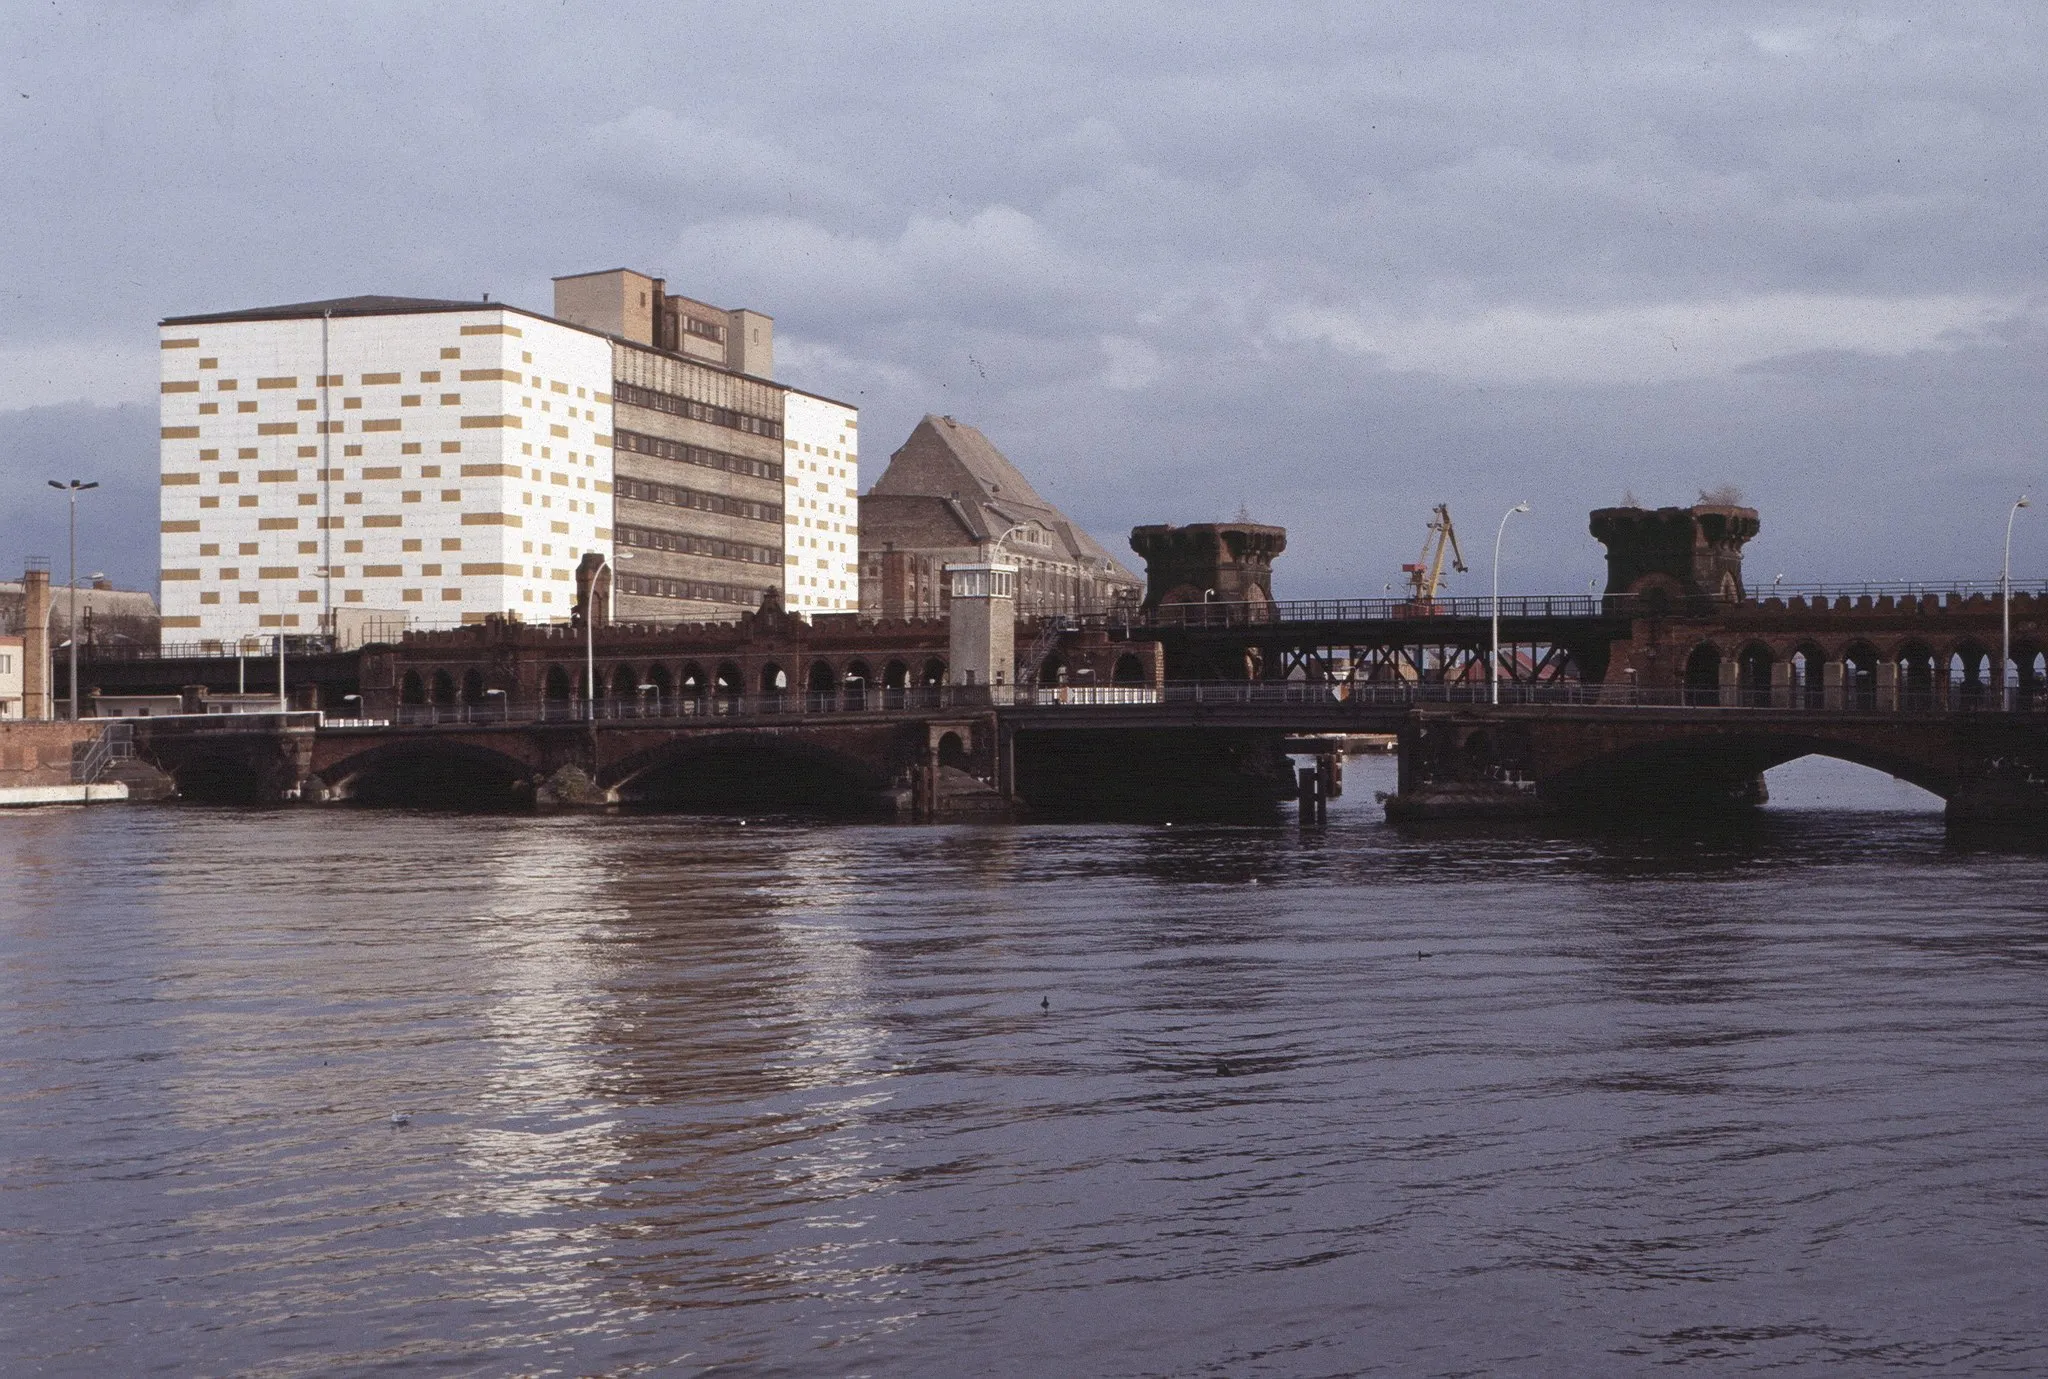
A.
pixel 91 761
pixel 1050 629
pixel 109 758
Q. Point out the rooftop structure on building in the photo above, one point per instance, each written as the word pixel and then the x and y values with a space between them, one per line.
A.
pixel 120 617
pixel 949 496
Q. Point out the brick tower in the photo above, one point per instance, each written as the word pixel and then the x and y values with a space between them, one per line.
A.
pixel 1223 562
pixel 1682 557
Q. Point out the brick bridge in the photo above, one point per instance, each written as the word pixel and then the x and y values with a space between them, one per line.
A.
pixel 1674 687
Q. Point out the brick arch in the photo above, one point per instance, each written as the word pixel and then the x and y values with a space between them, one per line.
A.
pixel 748 772
pixel 1631 776
pixel 451 773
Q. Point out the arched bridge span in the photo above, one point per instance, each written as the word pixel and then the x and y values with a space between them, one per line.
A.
pixel 1591 759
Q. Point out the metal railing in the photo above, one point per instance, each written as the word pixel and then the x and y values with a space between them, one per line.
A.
pixel 1552 693
pixel 1330 695
pixel 115 742
pixel 1899 590
pixel 672 707
pixel 1369 610
pixel 254 650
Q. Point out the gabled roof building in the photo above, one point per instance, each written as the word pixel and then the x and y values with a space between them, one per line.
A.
pixel 950 497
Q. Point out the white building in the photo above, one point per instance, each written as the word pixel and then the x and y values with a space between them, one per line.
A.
pixel 360 466
pixel 821 509
pixel 10 676
pixel 331 465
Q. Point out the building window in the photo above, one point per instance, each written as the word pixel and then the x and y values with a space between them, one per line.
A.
pixel 635 443
pixel 691 590
pixel 670 495
pixel 632 396
pixel 688 543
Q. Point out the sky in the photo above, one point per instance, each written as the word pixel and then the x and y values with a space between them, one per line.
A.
pixel 1322 265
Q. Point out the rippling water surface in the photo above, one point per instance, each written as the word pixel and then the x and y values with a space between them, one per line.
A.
pixel 698 1096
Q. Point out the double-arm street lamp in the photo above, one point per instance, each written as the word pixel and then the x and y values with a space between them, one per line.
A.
pixel 1493 661
pixel 73 489
pixel 2006 605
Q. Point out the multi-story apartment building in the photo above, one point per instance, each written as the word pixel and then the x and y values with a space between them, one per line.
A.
pixel 419 462
pixel 370 463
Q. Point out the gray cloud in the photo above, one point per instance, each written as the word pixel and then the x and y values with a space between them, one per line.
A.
pixel 1334 263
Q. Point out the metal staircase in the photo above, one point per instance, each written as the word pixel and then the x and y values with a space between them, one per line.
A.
pixel 115 744
pixel 1050 630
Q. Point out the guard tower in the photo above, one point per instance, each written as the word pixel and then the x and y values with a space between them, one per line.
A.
pixel 1221 562
pixel 1676 557
pixel 983 645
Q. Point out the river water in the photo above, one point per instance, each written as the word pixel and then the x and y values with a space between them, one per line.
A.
pixel 704 1096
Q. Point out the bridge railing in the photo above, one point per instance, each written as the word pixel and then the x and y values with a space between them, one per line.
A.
pixel 1898 590
pixel 1229 615
pixel 672 707
pixel 1549 693
pixel 1328 694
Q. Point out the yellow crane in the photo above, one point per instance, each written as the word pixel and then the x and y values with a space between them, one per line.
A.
pixel 1426 575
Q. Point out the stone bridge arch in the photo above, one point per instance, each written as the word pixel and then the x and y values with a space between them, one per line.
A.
pixel 1717 767
pixel 1712 769
pixel 755 771
pixel 429 773
pixel 1647 762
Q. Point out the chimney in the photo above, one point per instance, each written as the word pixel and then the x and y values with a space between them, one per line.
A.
pixel 35 639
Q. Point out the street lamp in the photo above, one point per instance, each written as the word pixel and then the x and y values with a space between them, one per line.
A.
pixel 74 488
pixel 2006 607
pixel 590 635
pixel 504 709
pixel 355 699
pixel 1493 661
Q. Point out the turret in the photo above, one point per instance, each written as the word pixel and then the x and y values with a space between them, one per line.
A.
pixel 1224 562
pixel 1677 557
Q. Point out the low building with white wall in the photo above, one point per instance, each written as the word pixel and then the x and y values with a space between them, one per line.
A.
pixel 10 677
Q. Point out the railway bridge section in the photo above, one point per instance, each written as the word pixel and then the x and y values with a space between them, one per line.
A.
pixel 1676 686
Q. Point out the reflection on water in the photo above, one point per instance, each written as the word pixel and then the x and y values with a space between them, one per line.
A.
pixel 688 1095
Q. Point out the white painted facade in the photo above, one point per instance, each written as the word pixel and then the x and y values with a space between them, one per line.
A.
pixel 10 677
pixel 421 469
pixel 821 512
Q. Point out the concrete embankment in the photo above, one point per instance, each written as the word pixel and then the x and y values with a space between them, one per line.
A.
pixel 36 764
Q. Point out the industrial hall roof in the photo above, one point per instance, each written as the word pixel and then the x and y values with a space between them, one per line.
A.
pixel 948 486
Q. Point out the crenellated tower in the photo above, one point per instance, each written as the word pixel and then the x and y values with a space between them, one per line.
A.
pixel 1678 556
pixel 1227 562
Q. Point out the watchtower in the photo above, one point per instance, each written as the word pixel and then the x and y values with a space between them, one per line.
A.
pixel 983 645
pixel 1680 556
pixel 1227 562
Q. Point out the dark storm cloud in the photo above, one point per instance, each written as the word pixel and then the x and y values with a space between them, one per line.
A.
pixel 1330 263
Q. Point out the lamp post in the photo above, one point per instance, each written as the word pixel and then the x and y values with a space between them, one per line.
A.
pixel 590 634
pixel 1493 661
pixel 2006 607
pixel 590 643
pixel 504 709
pixel 74 488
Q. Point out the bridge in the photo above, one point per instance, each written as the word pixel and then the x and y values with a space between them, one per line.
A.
pixel 1675 688
pixel 1181 749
